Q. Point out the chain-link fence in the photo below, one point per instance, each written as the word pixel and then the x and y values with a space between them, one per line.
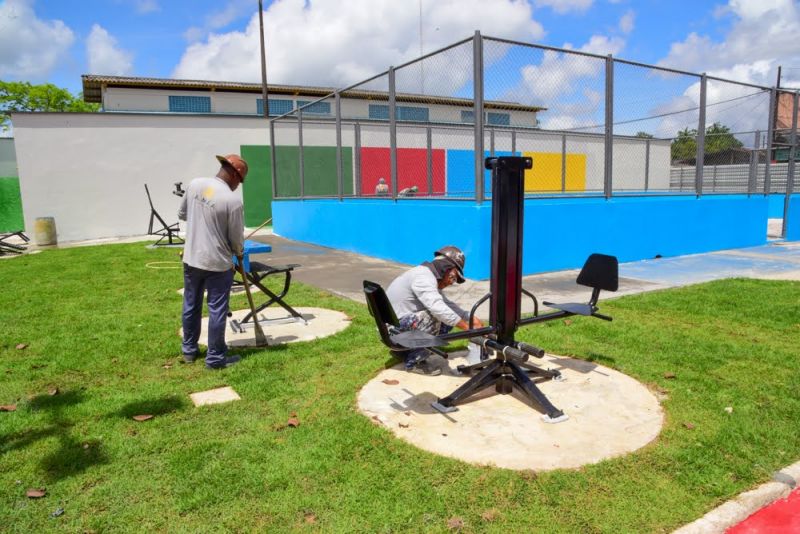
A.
pixel 594 125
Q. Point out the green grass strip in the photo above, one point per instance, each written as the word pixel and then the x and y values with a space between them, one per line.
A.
pixel 100 326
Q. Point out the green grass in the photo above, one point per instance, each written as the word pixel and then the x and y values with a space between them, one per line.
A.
pixel 100 326
pixel 10 205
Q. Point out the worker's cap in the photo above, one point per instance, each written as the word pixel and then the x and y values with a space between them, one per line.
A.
pixel 236 163
pixel 455 257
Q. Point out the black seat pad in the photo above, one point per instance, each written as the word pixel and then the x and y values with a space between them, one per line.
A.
pixel 572 307
pixel 416 339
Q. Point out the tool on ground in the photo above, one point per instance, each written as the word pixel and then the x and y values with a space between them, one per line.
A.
pixel 261 339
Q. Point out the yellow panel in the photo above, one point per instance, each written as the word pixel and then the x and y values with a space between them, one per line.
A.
pixel 545 176
pixel 576 172
pixel 546 172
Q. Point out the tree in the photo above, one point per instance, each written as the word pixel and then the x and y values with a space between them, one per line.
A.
pixel 718 139
pixel 23 96
pixel 644 135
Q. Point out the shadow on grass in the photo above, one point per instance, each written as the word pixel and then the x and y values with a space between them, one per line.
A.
pixel 73 455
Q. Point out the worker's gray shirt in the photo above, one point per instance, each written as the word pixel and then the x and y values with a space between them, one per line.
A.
pixel 417 289
pixel 215 225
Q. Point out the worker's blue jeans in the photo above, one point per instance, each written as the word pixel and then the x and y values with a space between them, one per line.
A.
pixel 218 285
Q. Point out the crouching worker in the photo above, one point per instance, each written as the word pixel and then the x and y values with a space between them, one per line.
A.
pixel 419 303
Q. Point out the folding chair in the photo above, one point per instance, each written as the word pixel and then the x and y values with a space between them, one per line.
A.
pixel 167 231
pixel 255 275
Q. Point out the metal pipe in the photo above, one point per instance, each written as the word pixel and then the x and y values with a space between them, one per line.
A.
pixel 647 165
pixel 392 133
pixel 357 157
pixel 609 118
pixel 429 159
pixel 701 138
pixel 264 90
pixel 563 163
pixel 300 152
pixel 477 67
pixel 773 101
pixel 273 157
pixel 339 169
pixel 791 167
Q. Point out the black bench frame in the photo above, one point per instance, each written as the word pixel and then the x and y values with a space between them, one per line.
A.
pixel 167 231
pixel 256 275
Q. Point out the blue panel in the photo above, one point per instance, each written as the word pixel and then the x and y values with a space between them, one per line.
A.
pixel 379 111
pixel 776 206
pixel 793 220
pixel 190 104
pixel 404 113
pixel 461 173
pixel 498 119
pixel 320 108
pixel 559 233
pixel 276 107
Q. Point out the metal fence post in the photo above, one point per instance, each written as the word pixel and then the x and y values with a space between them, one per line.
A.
pixel 357 157
pixel 392 134
pixel 513 142
pixel 563 163
pixel 790 172
pixel 429 159
pixel 300 151
pixel 773 99
pixel 609 141
pixel 751 177
pixel 491 142
pixel 647 165
pixel 273 156
pixel 477 68
pixel 701 139
pixel 339 169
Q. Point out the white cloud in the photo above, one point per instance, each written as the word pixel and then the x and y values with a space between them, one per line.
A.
pixel 627 21
pixel 565 6
pixel 104 56
pixel 333 43
pixel 30 47
pixel 569 85
pixel 761 31
pixel 231 11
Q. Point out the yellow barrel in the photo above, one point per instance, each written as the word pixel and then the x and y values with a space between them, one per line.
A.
pixel 44 231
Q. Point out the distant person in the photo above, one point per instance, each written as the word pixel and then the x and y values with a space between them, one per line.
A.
pixel 419 303
pixel 381 190
pixel 215 233
pixel 408 191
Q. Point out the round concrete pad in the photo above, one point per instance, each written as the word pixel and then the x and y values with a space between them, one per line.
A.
pixel 610 414
pixel 319 323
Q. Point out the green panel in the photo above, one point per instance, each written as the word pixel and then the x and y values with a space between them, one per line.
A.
pixel 10 205
pixel 320 172
pixel 257 188
pixel 319 164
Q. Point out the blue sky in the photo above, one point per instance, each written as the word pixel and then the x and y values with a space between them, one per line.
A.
pixel 337 42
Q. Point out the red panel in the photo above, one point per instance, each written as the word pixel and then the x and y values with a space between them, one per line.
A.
pixel 411 169
pixel 782 515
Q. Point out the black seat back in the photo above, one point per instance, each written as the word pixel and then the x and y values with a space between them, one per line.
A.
pixel 154 213
pixel 600 272
pixel 381 309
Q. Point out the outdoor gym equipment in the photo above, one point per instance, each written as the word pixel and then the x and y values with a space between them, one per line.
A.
pixel 167 231
pixel 509 366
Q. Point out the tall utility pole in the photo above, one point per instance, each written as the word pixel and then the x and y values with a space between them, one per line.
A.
pixel 264 91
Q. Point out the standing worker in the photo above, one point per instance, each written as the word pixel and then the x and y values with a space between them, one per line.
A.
pixel 215 233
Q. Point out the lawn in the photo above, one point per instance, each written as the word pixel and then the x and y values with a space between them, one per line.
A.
pixel 102 346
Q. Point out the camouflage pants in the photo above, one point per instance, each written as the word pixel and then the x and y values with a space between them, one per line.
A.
pixel 424 322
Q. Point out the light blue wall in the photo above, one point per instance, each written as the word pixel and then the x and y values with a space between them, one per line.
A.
pixel 558 233
pixel 793 221
pixel 776 205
